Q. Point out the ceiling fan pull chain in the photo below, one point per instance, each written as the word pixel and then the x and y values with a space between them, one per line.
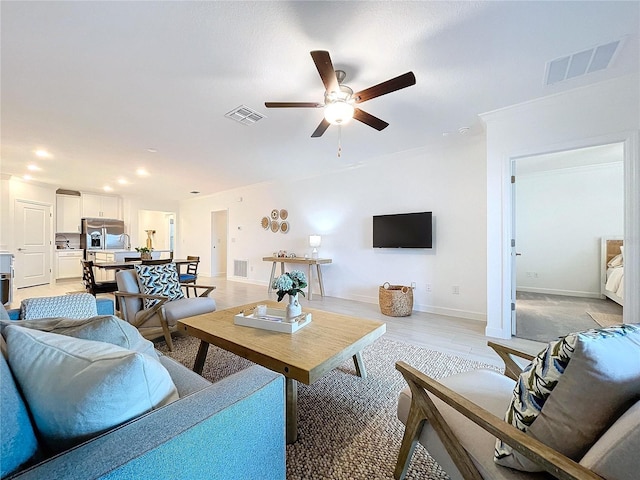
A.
pixel 339 141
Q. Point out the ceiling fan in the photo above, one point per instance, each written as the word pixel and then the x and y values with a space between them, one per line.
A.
pixel 339 99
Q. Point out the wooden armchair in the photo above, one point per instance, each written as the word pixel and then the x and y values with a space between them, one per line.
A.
pixel 458 419
pixel 160 319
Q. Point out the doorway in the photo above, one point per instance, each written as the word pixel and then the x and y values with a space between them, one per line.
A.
pixel 32 224
pixel 564 203
pixel 219 243
pixel 159 227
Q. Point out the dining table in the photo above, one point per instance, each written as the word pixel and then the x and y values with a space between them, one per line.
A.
pixel 126 265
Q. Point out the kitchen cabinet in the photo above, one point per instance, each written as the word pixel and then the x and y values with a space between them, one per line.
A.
pixel 100 206
pixel 101 274
pixel 68 264
pixel 68 214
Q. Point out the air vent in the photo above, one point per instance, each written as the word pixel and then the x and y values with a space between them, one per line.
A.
pixel 240 268
pixel 244 115
pixel 581 63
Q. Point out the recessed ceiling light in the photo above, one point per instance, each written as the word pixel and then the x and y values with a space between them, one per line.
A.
pixel 27 177
pixel 42 153
pixel 464 130
pixel 195 192
pixel 33 168
pixel 142 172
pixel 107 188
pixel 122 181
pixel 152 150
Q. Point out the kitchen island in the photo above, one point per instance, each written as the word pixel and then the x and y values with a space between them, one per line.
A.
pixel 111 256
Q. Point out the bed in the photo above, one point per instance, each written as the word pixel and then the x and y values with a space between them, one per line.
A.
pixel 612 269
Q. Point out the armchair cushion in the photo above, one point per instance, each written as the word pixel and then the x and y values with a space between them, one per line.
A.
pixel 76 305
pixel 103 328
pixel 79 388
pixel 159 280
pixel 600 380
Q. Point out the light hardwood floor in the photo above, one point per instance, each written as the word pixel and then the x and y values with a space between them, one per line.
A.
pixel 456 336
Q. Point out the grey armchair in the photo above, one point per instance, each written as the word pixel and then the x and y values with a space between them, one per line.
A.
pixel 160 319
pixel 458 419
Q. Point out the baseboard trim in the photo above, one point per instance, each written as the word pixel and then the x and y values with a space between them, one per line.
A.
pixel 566 293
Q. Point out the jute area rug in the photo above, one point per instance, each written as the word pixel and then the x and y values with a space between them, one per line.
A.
pixel 606 319
pixel 347 426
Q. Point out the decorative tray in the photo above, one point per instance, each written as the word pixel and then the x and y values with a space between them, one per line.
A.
pixel 273 320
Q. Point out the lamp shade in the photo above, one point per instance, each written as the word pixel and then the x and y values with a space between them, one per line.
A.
pixel 315 241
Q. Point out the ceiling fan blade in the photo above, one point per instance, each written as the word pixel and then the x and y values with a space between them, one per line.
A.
pixel 293 105
pixel 325 68
pixel 369 119
pixel 383 88
pixel 321 128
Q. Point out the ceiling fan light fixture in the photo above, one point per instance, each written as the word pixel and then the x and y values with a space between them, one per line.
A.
pixel 338 112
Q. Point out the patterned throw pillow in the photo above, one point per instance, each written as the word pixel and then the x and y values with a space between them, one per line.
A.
pixel 594 372
pixel 159 280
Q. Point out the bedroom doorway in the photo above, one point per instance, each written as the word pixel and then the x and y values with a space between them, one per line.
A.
pixel 564 203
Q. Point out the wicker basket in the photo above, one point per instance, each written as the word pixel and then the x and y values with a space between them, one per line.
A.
pixel 395 300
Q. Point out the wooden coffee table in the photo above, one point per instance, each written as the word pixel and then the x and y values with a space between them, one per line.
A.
pixel 303 356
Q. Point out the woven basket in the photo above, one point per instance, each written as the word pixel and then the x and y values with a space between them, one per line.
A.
pixel 395 300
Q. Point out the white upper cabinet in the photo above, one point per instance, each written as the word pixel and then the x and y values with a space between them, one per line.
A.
pixel 106 206
pixel 68 214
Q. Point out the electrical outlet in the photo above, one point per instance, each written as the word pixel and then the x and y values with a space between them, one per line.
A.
pixel 455 290
pixel 413 285
pixel 428 287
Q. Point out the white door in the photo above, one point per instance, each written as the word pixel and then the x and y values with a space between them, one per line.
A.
pixel 219 243
pixel 33 244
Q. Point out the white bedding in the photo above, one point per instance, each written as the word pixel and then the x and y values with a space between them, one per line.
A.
pixel 615 280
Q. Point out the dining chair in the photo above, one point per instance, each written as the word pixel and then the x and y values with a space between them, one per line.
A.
pixel 94 287
pixel 157 261
pixel 191 274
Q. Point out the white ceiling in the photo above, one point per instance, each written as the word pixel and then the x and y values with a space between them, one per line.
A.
pixel 99 83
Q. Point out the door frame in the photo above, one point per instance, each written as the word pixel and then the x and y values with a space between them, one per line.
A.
pixel 631 141
pixel 514 247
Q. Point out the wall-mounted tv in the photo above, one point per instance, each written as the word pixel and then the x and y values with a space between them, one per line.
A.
pixel 402 230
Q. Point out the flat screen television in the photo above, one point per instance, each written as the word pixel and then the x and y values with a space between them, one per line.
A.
pixel 402 230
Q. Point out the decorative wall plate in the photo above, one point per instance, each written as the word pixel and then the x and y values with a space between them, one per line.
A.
pixel 274 214
pixel 284 214
pixel 284 227
pixel 275 226
pixel 265 223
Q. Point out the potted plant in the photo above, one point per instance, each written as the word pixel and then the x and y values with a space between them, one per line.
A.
pixel 291 283
pixel 145 253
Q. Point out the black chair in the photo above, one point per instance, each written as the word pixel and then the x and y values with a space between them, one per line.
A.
pixel 192 272
pixel 94 287
pixel 156 262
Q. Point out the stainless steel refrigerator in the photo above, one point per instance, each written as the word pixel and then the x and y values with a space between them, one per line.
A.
pixel 102 234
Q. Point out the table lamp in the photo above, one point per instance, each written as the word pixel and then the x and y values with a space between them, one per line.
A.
pixel 315 241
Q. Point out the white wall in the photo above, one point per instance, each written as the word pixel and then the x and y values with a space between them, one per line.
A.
pixel 561 216
pixel 606 112
pixel 449 181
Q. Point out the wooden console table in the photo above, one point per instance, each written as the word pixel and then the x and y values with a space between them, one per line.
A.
pixel 299 260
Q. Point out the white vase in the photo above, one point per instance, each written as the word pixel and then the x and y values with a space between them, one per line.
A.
pixel 294 308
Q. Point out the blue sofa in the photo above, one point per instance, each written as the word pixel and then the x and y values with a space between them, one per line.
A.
pixel 233 428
